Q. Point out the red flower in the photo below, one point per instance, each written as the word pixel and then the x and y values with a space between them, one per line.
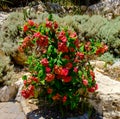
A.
pixel 85 82
pixel 62 47
pixel 87 46
pixel 49 90
pixel 72 49
pixel 64 99
pixel 66 57
pixel 59 76
pixel 96 86
pixel 81 55
pixel 64 72
pixel 56 97
pixel 49 77
pixel 75 69
pixel 104 49
pixel 29 81
pixel 69 65
pixel 37 35
pixel 62 33
pixel 43 41
pixel 92 89
pixel 92 74
pixel 62 37
pixel 73 35
pixel 48 24
pixel 44 62
pixel 34 79
pixel 25 82
pixel 57 69
pixel 25 94
pixel 31 88
pixel 67 79
pixel 55 25
pixel 101 50
pixel 26 43
pixel 25 28
pixel 77 43
pixel 47 69
pixel 30 22
pixel 76 60
pixel 98 51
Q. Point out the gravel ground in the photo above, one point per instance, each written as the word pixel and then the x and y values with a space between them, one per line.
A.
pixel 52 113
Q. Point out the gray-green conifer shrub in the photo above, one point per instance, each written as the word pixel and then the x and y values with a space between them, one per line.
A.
pixel 6 70
pixel 9 35
pixel 107 57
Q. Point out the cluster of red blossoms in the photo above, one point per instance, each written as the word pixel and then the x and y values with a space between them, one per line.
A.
pixel 28 92
pixel 62 66
pixel 26 42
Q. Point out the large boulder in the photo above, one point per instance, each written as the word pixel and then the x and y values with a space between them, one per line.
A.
pixel 107 99
pixel 8 93
pixel 107 8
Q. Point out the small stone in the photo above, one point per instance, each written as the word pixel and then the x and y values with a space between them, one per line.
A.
pixel 98 64
pixel 83 8
pixel 41 118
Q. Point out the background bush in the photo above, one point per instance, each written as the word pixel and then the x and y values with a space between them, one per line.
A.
pixel 96 27
pixel 6 70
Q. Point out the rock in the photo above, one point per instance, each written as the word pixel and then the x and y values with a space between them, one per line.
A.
pixel 116 64
pixel 83 8
pixel 54 7
pixel 109 16
pixel 20 58
pixel 107 99
pixel 106 8
pixel 41 8
pixel 114 70
pixel 8 93
pixel 33 101
pixel 11 110
pixel 99 64
pixel 19 84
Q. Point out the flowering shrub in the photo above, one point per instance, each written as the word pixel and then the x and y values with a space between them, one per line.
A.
pixel 58 63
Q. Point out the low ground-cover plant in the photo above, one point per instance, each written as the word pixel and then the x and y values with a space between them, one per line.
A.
pixel 58 63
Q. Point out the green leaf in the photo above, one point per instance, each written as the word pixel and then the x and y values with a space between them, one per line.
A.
pixel 57 84
pixel 80 73
pixel 82 48
pixel 24 77
pixel 55 60
pixel 50 17
pixel 50 49
pixel 42 82
pixel 40 73
pixel 59 62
